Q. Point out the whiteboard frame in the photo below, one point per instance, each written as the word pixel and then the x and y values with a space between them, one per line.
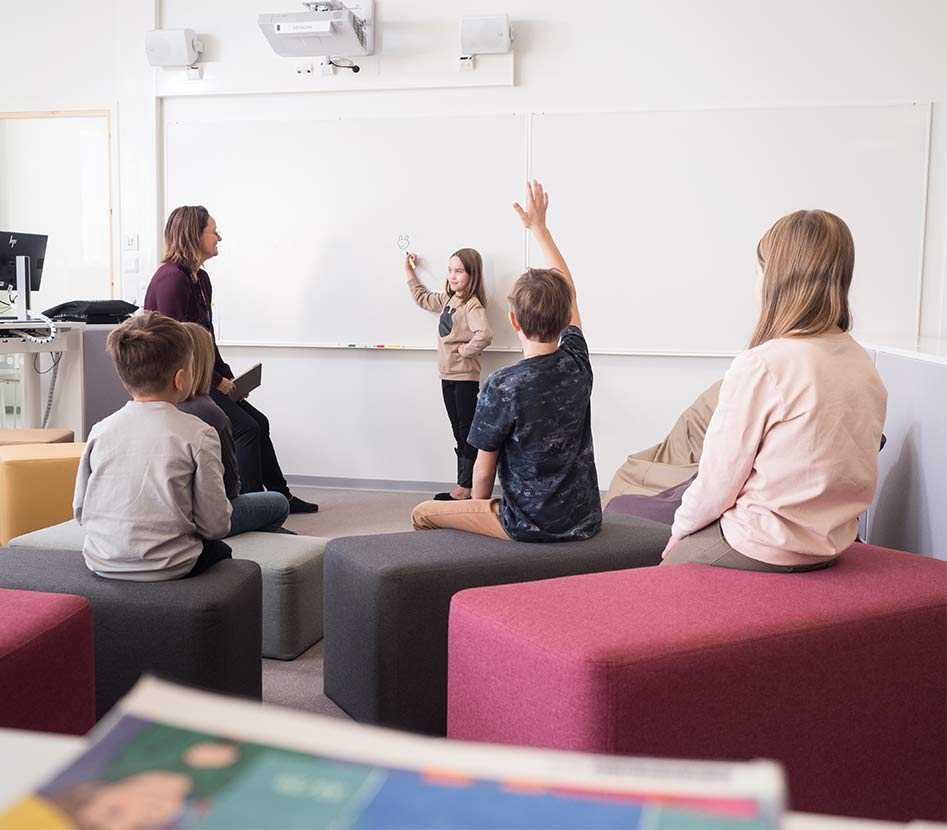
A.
pixel 399 347
pixel 918 324
pixel 528 115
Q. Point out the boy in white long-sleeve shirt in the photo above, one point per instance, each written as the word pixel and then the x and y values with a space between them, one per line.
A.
pixel 150 489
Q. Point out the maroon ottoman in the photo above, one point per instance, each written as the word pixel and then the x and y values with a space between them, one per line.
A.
pixel 841 674
pixel 47 678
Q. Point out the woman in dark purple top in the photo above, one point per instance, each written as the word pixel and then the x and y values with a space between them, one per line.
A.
pixel 181 289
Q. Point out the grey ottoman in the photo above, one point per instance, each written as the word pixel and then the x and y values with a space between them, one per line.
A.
pixel 388 599
pixel 292 588
pixel 203 631
pixel 292 581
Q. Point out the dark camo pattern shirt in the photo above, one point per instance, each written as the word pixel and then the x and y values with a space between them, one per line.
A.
pixel 538 415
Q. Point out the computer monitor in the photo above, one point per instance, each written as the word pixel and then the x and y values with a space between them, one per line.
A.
pixel 12 245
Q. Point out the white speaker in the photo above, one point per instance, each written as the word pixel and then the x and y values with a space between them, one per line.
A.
pixel 487 34
pixel 172 47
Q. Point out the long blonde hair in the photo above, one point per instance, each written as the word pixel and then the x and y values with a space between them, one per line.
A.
pixel 202 360
pixel 182 237
pixel 807 259
pixel 473 265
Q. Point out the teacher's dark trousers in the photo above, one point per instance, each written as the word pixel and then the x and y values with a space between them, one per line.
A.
pixel 256 458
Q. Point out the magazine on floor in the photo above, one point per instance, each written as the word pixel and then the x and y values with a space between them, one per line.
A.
pixel 173 757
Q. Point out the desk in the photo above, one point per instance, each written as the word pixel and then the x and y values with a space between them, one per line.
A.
pixel 88 388
pixel 39 755
pixel 32 380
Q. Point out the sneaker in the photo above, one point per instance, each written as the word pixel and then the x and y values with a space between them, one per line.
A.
pixel 298 505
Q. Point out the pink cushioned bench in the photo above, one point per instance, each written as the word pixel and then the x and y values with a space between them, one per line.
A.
pixel 841 674
pixel 47 678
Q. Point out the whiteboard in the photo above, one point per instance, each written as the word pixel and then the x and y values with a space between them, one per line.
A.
pixel 55 180
pixel 311 214
pixel 658 214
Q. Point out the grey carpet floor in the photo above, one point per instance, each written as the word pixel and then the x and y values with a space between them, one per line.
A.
pixel 298 684
pixel 354 512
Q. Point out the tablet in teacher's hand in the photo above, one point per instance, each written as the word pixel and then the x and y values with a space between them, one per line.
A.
pixel 244 384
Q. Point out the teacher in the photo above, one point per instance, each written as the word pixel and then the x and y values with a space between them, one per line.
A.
pixel 181 289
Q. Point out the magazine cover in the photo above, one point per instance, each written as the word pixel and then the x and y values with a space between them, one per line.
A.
pixel 175 758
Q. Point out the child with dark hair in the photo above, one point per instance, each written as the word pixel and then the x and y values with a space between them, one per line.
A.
pixel 150 488
pixel 533 420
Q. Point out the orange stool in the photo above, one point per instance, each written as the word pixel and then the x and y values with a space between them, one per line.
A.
pixel 37 482
pixel 14 437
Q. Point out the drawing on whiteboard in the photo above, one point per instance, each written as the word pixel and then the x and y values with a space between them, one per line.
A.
pixel 404 242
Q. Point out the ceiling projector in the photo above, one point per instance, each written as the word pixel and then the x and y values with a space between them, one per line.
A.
pixel 327 28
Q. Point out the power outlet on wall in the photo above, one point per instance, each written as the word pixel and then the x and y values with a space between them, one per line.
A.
pixel 326 67
pixel 304 68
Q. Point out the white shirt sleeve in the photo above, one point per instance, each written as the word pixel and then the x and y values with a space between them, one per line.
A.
pixel 82 478
pixel 749 404
pixel 211 506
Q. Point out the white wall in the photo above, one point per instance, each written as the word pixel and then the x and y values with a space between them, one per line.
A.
pixel 378 415
pixel 908 510
pixel 60 55
pixel 54 179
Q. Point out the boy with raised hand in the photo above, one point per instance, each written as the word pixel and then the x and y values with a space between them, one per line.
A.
pixel 533 419
pixel 150 489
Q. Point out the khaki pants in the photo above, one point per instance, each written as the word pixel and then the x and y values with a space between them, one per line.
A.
pixel 709 547
pixel 675 459
pixel 472 515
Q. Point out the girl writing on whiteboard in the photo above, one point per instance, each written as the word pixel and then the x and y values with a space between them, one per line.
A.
pixel 462 335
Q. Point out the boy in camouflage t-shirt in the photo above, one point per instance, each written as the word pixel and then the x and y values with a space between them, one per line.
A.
pixel 533 419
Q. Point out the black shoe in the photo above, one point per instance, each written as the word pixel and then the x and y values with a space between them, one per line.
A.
pixel 297 505
pixel 447 497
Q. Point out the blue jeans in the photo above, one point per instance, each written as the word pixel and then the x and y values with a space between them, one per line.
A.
pixel 258 511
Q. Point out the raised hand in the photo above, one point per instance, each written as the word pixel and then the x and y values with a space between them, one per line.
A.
pixel 537 201
pixel 533 217
pixel 411 261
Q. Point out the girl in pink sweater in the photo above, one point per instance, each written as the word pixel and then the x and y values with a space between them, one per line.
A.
pixel 789 460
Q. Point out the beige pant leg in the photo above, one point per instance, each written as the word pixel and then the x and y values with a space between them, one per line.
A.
pixel 710 547
pixel 472 515
pixel 706 547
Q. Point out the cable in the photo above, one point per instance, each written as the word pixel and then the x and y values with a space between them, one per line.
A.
pixel 350 65
pixel 32 338
pixel 47 411
pixel 57 357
